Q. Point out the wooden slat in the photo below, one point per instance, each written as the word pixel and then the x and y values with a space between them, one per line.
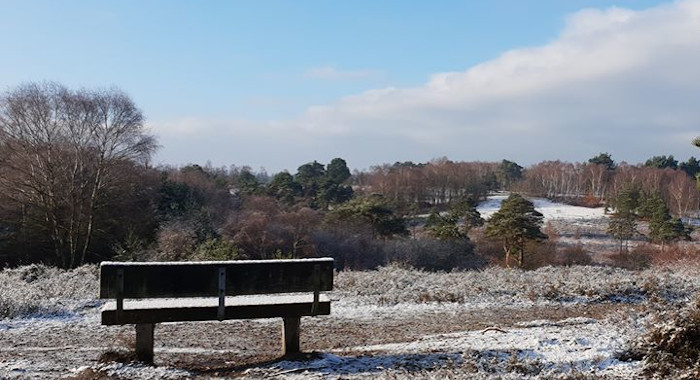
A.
pixel 209 313
pixel 164 280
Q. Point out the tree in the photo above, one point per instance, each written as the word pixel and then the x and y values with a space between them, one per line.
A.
pixel 248 183
pixel 690 167
pixel 284 188
pixel 465 209
pixel 662 162
pixel 332 190
pixel 371 211
pixel 508 173
pixel 603 159
pixel 443 227
pixel 662 227
pixel 298 227
pixel 623 223
pixel 310 176
pixel 337 171
pixel 62 155
pixel 333 193
pixel 516 223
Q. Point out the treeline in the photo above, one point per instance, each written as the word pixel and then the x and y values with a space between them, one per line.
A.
pixel 76 186
pixel 600 180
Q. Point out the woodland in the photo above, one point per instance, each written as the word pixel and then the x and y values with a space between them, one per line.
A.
pixel 77 186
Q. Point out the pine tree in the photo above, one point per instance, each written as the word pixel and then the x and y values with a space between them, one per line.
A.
pixel 623 223
pixel 443 227
pixel 662 227
pixel 465 209
pixel 516 223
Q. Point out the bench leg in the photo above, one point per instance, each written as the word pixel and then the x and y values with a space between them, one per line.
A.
pixel 290 336
pixel 144 342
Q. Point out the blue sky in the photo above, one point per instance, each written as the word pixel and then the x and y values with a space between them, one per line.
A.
pixel 276 84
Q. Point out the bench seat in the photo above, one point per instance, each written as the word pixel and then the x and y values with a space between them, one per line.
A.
pixel 206 309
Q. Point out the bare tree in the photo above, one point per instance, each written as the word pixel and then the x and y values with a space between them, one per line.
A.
pixel 61 154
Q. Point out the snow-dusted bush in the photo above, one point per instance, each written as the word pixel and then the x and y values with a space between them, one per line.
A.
pixel 39 290
pixel 578 284
pixel 434 254
pixel 671 346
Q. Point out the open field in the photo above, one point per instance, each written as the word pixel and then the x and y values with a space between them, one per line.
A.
pixel 391 323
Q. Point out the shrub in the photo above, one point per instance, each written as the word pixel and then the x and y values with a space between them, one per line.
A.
pixel 575 255
pixel 176 241
pixel 356 252
pixel 216 249
pixel 677 252
pixel 434 254
pixel 671 348
pixel 638 258
pixel 540 254
pixel 39 290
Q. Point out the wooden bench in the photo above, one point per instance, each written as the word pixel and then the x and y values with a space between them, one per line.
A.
pixel 154 292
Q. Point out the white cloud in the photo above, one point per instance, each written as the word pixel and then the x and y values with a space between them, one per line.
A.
pixel 609 74
pixel 616 80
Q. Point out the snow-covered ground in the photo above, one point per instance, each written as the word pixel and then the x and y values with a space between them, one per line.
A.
pixel 550 210
pixel 392 323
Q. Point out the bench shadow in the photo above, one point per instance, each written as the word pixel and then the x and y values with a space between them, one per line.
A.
pixel 327 364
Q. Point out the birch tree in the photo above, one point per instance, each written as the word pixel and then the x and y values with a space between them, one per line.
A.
pixel 62 154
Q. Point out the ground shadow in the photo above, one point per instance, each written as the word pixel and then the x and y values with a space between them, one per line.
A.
pixel 327 364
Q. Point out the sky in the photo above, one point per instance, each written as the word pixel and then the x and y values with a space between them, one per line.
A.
pixel 276 84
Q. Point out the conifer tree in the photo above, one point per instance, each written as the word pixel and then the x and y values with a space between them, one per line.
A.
pixel 465 209
pixel 623 223
pixel 516 223
pixel 662 227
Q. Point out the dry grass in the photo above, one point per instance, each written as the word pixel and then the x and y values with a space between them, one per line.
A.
pixel 40 291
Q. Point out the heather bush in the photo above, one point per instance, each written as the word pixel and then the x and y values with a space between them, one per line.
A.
pixel 434 254
pixel 671 346
pixel 39 290
pixel 350 251
pixel 394 284
pixel 576 255
pixel 675 253
pixel 638 258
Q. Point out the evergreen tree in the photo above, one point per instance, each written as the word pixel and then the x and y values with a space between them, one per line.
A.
pixel 662 227
pixel 332 191
pixel 623 223
pixel 248 183
pixel 310 176
pixel 337 171
pixel 662 162
pixel 516 223
pixel 284 188
pixel 465 209
pixel 443 227
pixel 604 159
pixel 373 211
pixel 691 167
pixel 508 173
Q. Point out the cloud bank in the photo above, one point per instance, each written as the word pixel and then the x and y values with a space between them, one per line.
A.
pixel 615 80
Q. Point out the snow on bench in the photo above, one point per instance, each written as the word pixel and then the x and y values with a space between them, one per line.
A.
pixel 148 293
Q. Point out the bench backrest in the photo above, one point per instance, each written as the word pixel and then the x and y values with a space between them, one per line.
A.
pixel 119 280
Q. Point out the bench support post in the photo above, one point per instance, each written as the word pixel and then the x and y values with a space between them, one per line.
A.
pixel 144 342
pixel 290 336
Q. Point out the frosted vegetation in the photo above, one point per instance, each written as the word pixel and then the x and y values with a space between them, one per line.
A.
pixel 580 284
pixel 536 349
pixel 41 291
